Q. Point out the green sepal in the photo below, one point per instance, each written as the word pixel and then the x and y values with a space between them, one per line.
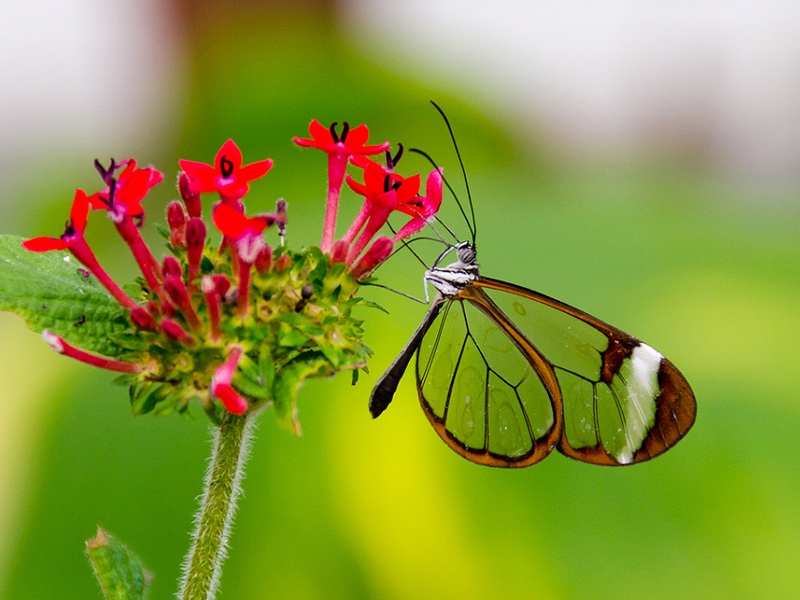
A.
pixel 51 290
pixel 121 574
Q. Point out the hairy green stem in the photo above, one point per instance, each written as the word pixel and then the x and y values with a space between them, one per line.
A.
pixel 203 565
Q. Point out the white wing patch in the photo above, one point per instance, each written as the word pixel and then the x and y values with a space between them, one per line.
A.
pixel 641 383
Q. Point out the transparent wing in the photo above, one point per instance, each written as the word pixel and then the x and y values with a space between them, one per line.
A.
pixel 490 397
pixel 622 401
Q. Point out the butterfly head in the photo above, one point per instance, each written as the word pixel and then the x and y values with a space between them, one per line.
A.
pixel 465 251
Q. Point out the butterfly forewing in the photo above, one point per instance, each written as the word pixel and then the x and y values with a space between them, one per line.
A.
pixel 622 401
pixel 484 394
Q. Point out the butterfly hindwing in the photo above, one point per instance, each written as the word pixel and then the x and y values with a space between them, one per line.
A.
pixel 623 402
pixel 491 397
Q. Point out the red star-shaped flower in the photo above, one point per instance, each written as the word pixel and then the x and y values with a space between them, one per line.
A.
pixel 73 231
pixel 129 189
pixel 378 181
pixel 350 142
pixel 73 240
pixel 227 175
pixel 422 208
pixel 339 148
pixel 384 192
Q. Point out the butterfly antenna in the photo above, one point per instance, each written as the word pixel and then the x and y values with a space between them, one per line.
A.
pixel 408 246
pixel 398 292
pixel 450 231
pixel 474 228
pixel 452 191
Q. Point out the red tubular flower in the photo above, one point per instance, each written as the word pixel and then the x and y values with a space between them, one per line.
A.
pixel 377 253
pixel 122 199
pixel 339 148
pixel 58 344
pixel 174 286
pixel 384 192
pixel 73 231
pixel 190 198
pixel 264 260
pixel 422 208
pixel 339 252
pixel 227 175
pixel 212 296
pixel 73 240
pixel 175 332
pixel 176 219
pixel 247 234
pixel 123 195
pixel 195 242
pixel 142 319
pixel 221 384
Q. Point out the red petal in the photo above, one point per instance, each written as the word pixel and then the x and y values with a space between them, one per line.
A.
pixel 132 192
pixel 44 244
pixel 155 177
pixel 80 211
pixel 361 161
pixel 433 191
pixel 377 149
pixel 202 177
pixel 374 177
pixel 358 188
pixel 231 152
pixel 409 188
pixel 356 138
pixel 229 221
pixel 320 137
pixel 320 133
pixel 255 170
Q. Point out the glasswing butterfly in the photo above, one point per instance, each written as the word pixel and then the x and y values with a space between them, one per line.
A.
pixel 506 374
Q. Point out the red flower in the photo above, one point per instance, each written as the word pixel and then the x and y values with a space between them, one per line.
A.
pixel 123 196
pixel 73 240
pixel 378 181
pixel 244 231
pixel 339 147
pixel 227 176
pixel 221 384
pixel 384 192
pixel 422 208
pixel 377 253
pixel 73 231
pixel 350 142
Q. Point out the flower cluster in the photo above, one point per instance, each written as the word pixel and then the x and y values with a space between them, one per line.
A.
pixel 241 323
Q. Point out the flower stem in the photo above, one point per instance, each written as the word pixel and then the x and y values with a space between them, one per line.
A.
pixel 203 566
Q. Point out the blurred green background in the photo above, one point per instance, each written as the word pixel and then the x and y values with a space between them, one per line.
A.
pixel 693 257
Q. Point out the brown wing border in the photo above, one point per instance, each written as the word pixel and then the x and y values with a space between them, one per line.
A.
pixel 542 445
pixel 676 405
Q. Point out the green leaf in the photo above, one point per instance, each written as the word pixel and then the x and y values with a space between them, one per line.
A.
pixel 50 290
pixel 254 379
pixel 288 381
pixel 162 230
pixel 371 304
pixel 120 572
pixel 289 337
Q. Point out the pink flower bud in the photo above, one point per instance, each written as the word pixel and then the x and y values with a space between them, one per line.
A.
pixel 176 219
pixel 377 253
pixel 264 260
pixel 339 252
pixel 190 198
